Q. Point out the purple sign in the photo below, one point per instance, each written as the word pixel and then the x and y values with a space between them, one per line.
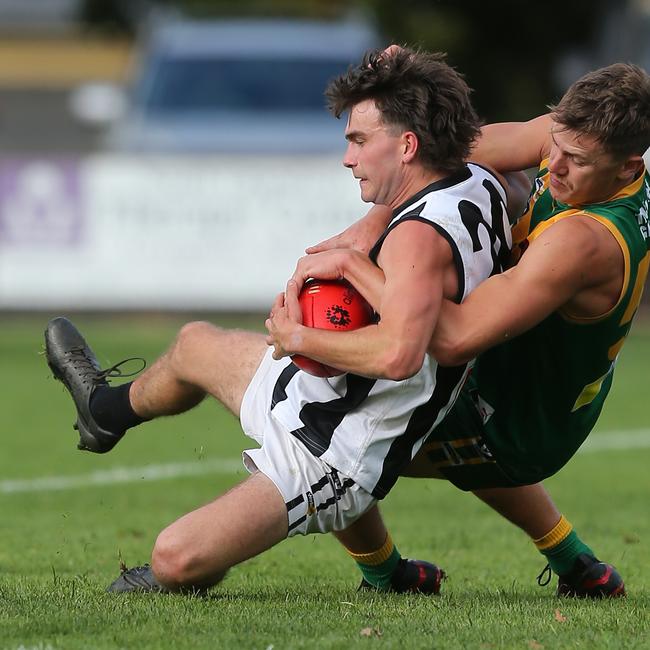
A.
pixel 40 202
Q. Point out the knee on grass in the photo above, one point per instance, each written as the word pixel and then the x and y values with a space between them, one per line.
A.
pixel 178 566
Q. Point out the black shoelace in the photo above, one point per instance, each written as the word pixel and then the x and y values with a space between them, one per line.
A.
pixel 86 368
pixel 545 576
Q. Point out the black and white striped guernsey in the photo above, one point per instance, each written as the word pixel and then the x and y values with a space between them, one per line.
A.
pixel 369 429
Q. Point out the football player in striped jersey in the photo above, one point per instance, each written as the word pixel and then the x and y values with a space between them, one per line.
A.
pixel 328 450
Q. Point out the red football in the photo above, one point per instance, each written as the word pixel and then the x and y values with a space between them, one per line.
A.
pixel 330 305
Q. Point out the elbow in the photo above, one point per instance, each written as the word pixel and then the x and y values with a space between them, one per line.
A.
pixel 448 353
pixel 401 362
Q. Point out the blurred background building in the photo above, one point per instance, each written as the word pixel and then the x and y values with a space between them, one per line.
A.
pixel 148 150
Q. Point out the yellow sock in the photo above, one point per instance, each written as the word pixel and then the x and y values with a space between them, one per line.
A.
pixel 375 557
pixel 554 536
pixel 561 546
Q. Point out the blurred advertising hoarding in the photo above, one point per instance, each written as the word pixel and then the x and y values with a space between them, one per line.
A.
pixel 150 233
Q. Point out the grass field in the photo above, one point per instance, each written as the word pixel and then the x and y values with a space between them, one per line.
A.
pixel 61 539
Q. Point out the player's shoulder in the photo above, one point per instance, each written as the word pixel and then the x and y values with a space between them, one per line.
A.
pixel 416 230
pixel 589 237
pixel 481 171
pixel 418 237
pixel 581 223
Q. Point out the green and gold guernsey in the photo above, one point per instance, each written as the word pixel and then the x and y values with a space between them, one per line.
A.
pixel 547 386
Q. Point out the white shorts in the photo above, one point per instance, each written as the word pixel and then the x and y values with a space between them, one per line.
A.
pixel 319 499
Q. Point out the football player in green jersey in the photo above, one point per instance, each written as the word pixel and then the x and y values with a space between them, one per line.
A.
pixel 548 331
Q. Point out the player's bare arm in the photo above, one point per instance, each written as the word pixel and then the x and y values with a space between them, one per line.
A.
pixel 361 235
pixel 513 146
pixel 417 263
pixel 576 265
pixel 517 186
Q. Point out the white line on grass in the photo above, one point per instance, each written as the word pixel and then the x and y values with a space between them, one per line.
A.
pixel 610 440
pixel 121 475
pixel 614 440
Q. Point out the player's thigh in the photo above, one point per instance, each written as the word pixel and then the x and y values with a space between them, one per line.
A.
pixel 221 362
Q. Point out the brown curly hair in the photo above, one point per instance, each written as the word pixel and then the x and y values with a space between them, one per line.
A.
pixel 414 91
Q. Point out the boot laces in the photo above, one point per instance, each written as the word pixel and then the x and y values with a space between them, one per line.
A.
pixel 86 367
pixel 545 576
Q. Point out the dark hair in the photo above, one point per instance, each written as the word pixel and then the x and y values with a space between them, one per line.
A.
pixel 414 91
pixel 611 104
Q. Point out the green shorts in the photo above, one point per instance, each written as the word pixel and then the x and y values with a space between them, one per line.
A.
pixel 457 449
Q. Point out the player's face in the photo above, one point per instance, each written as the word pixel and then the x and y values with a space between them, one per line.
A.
pixel 581 171
pixel 374 154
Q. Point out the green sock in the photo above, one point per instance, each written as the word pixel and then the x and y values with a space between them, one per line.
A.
pixel 562 556
pixel 379 575
pixel 378 566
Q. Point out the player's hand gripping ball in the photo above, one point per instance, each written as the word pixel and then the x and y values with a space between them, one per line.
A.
pixel 330 305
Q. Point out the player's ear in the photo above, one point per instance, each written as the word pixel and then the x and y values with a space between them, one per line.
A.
pixel 409 145
pixel 631 168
